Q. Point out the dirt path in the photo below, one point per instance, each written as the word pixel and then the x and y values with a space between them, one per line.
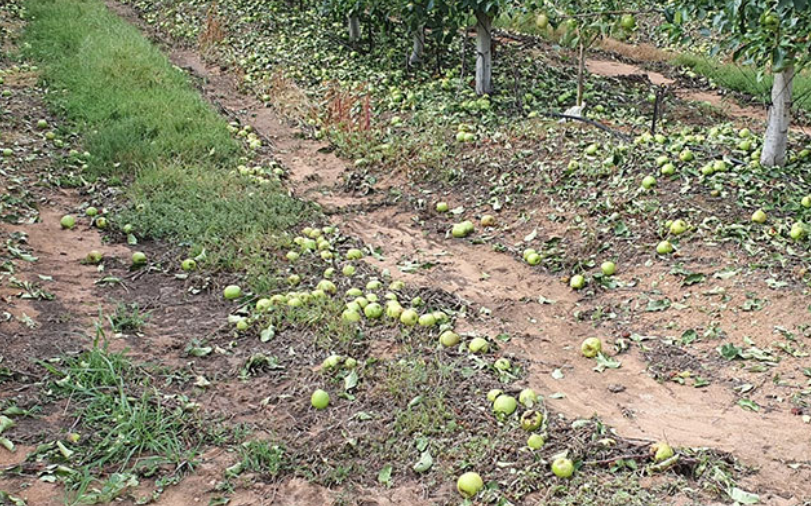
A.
pixel 545 334
pixel 726 103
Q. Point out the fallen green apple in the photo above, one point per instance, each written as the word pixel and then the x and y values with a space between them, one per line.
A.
pixel 678 227
pixel 797 231
pixel 505 405
pixel 608 268
pixel 759 216
pixel 534 259
pixel 263 305
pixel 393 309
pixel 442 207
pixel 67 222
pixel 350 363
pixel 101 223
pixel 563 468
pixel 528 398
pixel 94 257
pixel 138 258
pixel 493 394
pixel 232 292
pixel 469 484
pixel 806 201
pixel 354 254
pixel 128 228
pixel 668 169
pixel 488 220
pixel 531 420
pixel 591 347
pixel 292 256
pixel 427 320
pixel 242 325
pixel 350 316
pixel 449 338
pixel 661 451
pixel 648 182
pixel 686 156
pixel 319 399
pixel 536 442
pixel 478 345
pixel 664 248
pixel 577 282
pixel 502 364
pixel 348 270
pixel 373 311
pixel 91 211
pixel 188 264
pixel 409 317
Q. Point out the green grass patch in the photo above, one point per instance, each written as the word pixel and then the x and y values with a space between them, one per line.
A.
pixel 127 427
pixel 144 123
pixel 744 78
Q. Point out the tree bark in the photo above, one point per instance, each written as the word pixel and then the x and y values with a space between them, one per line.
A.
pixel 581 69
pixel 484 54
pixel 354 28
pixel 419 46
pixel 775 143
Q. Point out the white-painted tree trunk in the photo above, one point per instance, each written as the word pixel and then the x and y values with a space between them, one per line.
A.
pixel 776 141
pixel 354 28
pixel 484 54
pixel 419 46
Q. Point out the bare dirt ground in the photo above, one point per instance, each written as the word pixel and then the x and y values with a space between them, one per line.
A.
pixel 632 398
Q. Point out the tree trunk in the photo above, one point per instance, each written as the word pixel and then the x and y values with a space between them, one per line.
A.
pixel 484 54
pixel 419 46
pixel 776 141
pixel 354 28
pixel 581 74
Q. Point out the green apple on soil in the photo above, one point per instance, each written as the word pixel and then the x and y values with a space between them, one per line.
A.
pixel 608 268
pixel 327 286
pixel 292 256
pixel 759 216
pixel 719 166
pixel 354 254
pixel 42 124
pixel 188 264
pixel 128 228
pixel 463 229
pixel 686 156
pixel 350 316
pixel 298 302
pixel 94 257
pixel 478 345
pixel 394 310
pixel 449 338
pixel 488 220
pixel 648 182
pixel 409 317
pixel 231 292
pixel 493 394
pixel 534 259
pixel 528 398
pixel 668 169
pixel 319 399
pixel 442 207
pixel 628 22
pixel 577 282
pixel 354 292
pixel 573 165
pixel 505 405
pixel 502 364
pixel 469 484
pixel 427 320
pixel 563 468
pixel 797 231
pixel 348 270
pixel 661 451
pixel 7 152
pixel 592 150
pixel 806 202
pixel 591 347
pixel 542 21
pixel 535 442
pixel 67 222
pixel 744 133
pixel 373 311
pixel 664 248
pixel 91 211
pixel 531 420
pixel 263 305
pixel 138 258
pixel 242 325
pixel 293 279
pixel 678 227
pixel 350 363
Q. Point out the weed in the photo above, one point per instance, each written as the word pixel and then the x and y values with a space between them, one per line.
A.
pixel 128 318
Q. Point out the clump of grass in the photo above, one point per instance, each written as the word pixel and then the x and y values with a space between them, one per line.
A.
pixel 128 318
pixel 145 124
pixel 123 421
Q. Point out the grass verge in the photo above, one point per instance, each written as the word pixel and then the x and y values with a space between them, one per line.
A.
pixel 144 123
